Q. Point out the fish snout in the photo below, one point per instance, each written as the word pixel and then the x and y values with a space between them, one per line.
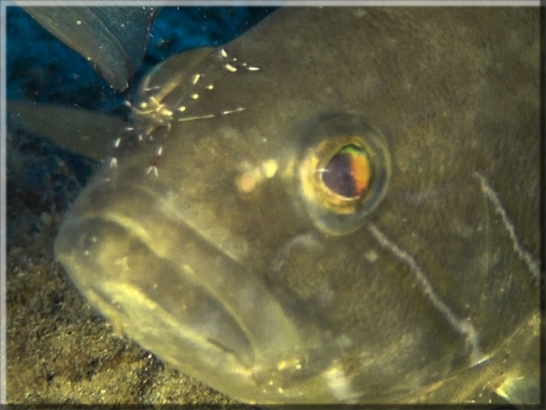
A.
pixel 159 281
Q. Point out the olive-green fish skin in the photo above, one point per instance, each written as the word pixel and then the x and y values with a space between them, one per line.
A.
pixel 197 240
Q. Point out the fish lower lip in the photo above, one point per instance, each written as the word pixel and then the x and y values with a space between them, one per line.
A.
pixel 158 281
pixel 120 257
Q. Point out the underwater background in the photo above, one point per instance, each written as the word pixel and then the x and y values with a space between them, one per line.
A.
pixel 59 350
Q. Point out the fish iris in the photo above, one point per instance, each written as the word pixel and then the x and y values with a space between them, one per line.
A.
pixel 348 172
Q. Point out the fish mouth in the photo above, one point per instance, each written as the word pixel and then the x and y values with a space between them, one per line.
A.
pixel 167 287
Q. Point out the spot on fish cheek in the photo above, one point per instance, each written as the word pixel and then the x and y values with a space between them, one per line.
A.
pixel 248 181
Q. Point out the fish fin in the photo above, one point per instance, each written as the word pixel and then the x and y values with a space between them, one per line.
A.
pixel 113 38
pixel 81 131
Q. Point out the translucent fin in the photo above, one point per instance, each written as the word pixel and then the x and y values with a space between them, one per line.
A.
pixel 81 131
pixel 113 38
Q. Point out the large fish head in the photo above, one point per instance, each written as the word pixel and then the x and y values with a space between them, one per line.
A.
pixel 341 205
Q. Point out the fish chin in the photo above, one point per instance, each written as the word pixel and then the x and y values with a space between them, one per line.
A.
pixel 163 284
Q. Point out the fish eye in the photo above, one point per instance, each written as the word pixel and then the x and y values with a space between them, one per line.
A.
pixel 344 172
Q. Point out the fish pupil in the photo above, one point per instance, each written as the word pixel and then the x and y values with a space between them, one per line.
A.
pixel 348 172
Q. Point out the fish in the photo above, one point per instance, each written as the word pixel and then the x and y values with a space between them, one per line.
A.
pixel 339 206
